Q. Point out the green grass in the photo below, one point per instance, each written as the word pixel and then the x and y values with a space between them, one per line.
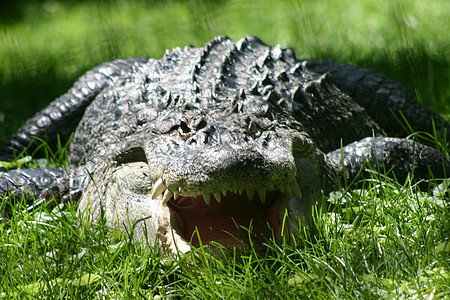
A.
pixel 387 240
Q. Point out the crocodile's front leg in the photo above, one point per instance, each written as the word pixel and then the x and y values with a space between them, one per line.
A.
pixel 394 155
pixel 42 184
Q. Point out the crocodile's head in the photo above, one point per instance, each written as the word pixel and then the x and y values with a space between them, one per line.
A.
pixel 209 142
pixel 210 177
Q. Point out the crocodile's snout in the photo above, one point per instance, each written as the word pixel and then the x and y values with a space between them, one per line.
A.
pixel 229 167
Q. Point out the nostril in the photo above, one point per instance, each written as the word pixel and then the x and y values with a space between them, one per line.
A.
pixel 198 123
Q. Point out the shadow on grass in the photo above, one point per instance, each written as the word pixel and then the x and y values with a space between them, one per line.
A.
pixel 23 96
pixel 418 71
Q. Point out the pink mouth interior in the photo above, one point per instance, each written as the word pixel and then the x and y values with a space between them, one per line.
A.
pixel 223 222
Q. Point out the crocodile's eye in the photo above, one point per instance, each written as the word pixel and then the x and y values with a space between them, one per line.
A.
pixel 184 131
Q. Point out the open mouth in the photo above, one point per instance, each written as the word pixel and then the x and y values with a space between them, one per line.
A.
pixel 229 222
pixel 230 218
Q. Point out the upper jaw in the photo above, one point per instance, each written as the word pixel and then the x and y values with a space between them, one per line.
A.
pixel 173 193
pixel 191 171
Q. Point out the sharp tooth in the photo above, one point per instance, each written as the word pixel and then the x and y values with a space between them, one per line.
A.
pixel 158 188
pixel 262 195
pixel 281 188
pixel 218 197
pixel 296 189
pixel 287 189
pixel 224 193
pixel 176 193
pixel 207 198
pixel 240 192
pixel 249 194
pixel 167 195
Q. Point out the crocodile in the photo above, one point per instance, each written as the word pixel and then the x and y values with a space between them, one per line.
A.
pixel 208 143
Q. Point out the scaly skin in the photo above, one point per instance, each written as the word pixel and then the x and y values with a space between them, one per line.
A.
pixel 229 133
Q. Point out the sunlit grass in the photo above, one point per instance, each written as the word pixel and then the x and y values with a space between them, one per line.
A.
pixel 385 240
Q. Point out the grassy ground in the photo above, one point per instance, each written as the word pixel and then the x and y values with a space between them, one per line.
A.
pixel 386 240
